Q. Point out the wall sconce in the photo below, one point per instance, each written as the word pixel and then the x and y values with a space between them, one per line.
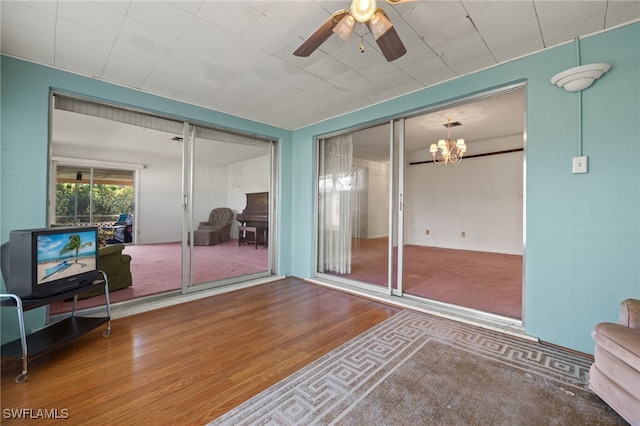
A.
pixel 579 78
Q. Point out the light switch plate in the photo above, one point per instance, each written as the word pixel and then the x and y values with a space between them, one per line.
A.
pixel 579 165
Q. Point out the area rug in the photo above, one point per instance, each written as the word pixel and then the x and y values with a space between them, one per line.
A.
pixel 416 369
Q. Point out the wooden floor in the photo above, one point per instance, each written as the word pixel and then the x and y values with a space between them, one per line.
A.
pixel 190 363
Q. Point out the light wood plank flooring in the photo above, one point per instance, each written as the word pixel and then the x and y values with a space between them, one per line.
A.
pixel 190 363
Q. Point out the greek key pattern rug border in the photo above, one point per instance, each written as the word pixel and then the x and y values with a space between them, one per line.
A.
pixel 327 385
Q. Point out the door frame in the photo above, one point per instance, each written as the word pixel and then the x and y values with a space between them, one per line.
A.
pixel 398 291
pixel 188 211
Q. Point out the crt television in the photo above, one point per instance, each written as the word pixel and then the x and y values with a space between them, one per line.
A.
pixel 42 262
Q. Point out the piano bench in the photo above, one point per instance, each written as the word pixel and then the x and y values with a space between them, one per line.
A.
pixel 259 234
pixel 206 238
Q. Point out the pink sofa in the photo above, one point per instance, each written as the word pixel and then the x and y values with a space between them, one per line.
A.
pixel 615 374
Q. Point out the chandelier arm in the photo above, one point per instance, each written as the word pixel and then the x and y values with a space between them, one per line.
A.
pixel 448 151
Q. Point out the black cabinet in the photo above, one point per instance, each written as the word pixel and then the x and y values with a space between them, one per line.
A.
pixel 54 335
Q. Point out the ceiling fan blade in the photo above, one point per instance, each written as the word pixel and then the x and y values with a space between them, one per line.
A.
pixel 320 35
pixel 391 45
pixel 386 37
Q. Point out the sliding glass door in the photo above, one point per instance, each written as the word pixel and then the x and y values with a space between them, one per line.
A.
pixel 180 190
pixel 463 222
pixel 228 194
pixel 355 239
pixel 390 219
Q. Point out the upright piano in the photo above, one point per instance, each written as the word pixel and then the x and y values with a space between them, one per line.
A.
pixel 254 220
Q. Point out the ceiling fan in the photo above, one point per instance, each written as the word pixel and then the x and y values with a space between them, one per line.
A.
pixel 343 21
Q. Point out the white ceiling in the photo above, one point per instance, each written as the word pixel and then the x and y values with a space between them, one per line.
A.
pixel 236 56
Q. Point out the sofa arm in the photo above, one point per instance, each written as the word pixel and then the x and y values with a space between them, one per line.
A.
pixel 620 341
pixel 125 259
pixel 630 313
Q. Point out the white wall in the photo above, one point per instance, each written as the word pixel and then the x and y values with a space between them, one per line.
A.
pixel 245 177
pixel 482 197
pixel 160 206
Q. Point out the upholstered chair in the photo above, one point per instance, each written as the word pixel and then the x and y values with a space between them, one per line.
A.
pixel 116 265
pixel 615 374
pixel 220 219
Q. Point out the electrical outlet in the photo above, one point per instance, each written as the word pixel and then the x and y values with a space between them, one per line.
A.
pixel 579 165
pixel 463 234
pixel 426 232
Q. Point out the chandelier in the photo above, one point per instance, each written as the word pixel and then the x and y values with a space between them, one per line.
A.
pixel 449 150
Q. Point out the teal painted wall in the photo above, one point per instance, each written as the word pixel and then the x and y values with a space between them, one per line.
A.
pixel 582 231
pixel 24 108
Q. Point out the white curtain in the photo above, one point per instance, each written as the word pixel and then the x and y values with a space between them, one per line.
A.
pixel 359 201
pixel 336 184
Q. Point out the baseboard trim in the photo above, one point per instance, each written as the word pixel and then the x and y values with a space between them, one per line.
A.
pixel 485 320
pixel 149 303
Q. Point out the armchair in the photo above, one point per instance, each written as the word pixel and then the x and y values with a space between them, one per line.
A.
pixel 116 265
pixel 220 219
pixel 615 374
pixel 123 229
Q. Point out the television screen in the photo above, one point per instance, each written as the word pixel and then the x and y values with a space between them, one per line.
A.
pixel 62 255
pixel 38 263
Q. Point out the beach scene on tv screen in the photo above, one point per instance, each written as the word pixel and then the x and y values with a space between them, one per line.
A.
pixel 66 254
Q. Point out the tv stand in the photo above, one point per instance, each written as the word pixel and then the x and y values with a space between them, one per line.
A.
pixel 55 335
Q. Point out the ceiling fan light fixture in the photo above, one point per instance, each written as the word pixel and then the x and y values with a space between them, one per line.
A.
pixel 363 10
pixel 379 24
pixel 343 22
pixel 345 27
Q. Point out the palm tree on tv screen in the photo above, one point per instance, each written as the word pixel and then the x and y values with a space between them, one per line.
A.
pixel 74 244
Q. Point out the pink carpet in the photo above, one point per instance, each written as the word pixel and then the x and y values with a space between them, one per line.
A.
pixel 155 269
pixel 490 282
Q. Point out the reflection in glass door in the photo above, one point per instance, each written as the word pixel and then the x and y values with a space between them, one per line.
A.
pixel 99 196
pixel 354 234
pixel 227 217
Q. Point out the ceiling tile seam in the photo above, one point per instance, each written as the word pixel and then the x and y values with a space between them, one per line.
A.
pixel 440 56
pixel 164 55
pixel 178 5
pixel 241 36
pixel 4 19
pixel 495 61
pixel 355 70
pixel 57 40
pixel 421 38
pixel 115 39
pixel 535 10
